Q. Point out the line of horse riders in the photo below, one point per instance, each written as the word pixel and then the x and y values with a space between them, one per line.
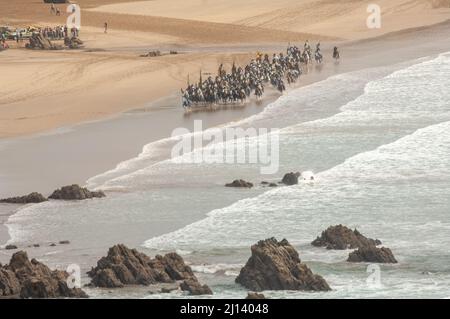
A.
pixel 241 83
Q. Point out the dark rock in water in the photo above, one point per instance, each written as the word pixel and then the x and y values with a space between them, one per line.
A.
pixel 341 237
pixel 10 247
pixel 240 183
pixel 27 199
pixel 107 278
pixel 75 192
pixel 124 266
pixel 276 266
pixel 267 184
pixel 52 245
pixel 64 242
pixel 31 279
pixel 290 178
pixel 255 295
pixel 36 245
pixel 195 288
pixel 168 290
pixel 372 254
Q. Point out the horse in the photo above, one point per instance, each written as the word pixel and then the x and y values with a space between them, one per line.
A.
pixel 318 57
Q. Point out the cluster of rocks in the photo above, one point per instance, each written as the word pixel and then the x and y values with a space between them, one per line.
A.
pixel 340 237
pixel 14 247
pixel 39 42
pixel 124 266
pixel 70 192
pixel 289 179
pixel 275 265
pixel 23 278
pixel 75 192
pixel 27 199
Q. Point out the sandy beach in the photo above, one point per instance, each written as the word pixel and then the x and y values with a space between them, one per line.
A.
pixel 67 116
pixel 114 78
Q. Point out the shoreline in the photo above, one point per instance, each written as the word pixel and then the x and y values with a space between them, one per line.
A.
pixel 166 112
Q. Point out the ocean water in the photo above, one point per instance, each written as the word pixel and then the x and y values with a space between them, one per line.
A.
pixel 378 144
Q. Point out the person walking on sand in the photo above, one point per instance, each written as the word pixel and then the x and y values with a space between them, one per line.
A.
pixel 106 27
pixel 52 9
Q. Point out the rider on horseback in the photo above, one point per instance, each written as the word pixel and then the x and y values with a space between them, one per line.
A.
pixel 318 55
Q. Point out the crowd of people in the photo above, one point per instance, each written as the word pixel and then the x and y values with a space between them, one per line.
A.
pixel 51 33
pixel 59 32
pixel 241 83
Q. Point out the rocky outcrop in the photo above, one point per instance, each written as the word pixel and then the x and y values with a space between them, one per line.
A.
pixel 240 183
pixel 10 247
pixel 73 43
pixel 372 254
pixel 23 278
pixel 342 237
pixel 39 42
pixel 9 284
pixel 75 192
pixel 255 295
pixel 27 199
pixel 195 288
pixel 290 178
pixel 124 266
pixel 276 265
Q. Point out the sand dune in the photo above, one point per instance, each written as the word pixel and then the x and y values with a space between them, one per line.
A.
pixel 344 19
